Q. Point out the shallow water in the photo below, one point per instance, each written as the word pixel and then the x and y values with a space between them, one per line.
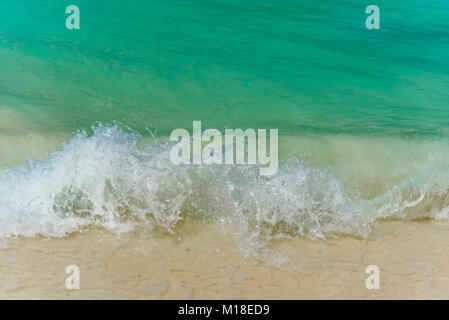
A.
pixel 412 258
pixel 297 66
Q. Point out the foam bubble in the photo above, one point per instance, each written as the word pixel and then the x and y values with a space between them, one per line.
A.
pixel 114 180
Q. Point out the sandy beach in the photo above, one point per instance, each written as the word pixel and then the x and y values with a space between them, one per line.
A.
pixel 203 263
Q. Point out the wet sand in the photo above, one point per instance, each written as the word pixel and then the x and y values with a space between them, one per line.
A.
pixel 204 263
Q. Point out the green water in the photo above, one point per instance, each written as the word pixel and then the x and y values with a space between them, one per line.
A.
pixel 299 66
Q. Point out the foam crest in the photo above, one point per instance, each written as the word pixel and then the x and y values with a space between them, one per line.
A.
pixel 107 180
pixel 113 179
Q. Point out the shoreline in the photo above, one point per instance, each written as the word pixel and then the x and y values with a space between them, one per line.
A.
pixel 413 258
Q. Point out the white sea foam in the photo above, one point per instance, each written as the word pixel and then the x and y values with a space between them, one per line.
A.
pixel 112 179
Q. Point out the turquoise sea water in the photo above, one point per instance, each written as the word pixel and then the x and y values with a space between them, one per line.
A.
pixel 367 111
pixel 294 65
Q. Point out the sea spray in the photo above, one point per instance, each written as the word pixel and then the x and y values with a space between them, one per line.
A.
pixel 106 180
pixel 113 179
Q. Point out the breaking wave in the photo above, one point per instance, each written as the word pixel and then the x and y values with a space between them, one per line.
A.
pixel 113 179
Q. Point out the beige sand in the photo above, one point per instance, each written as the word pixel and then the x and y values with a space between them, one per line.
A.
pixel 413 258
